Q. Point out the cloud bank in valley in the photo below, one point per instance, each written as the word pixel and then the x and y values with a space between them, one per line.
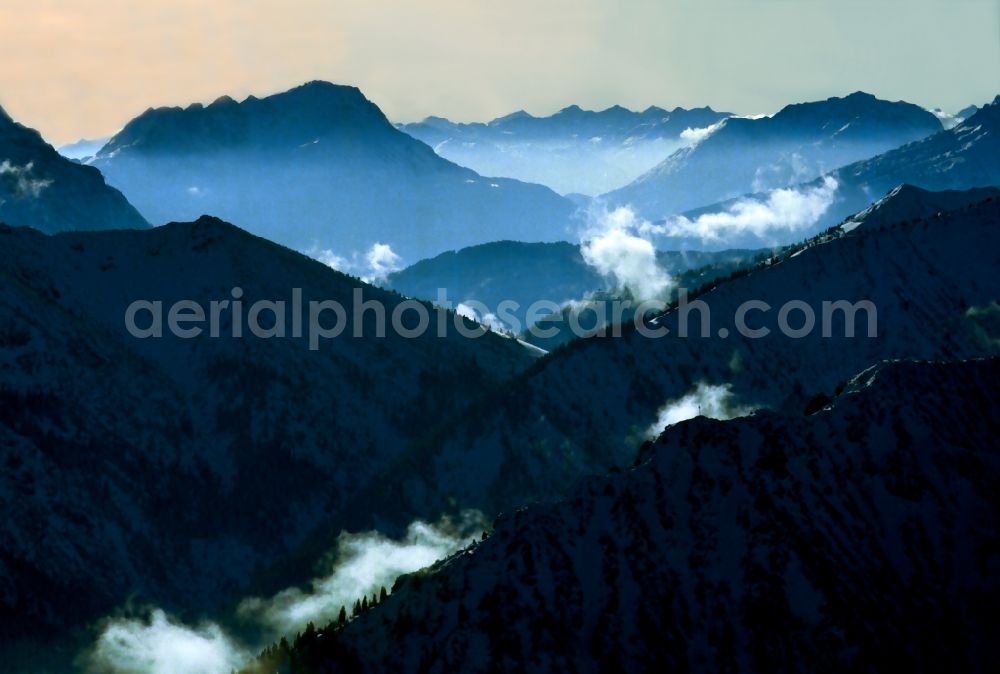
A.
pixel 780 211
pixel 617 245
pixel 159 645
pixel 363 563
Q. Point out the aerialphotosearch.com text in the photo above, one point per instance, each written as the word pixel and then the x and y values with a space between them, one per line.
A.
pixel 316 321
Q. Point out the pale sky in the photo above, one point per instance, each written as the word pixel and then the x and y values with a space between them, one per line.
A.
pixel 78 68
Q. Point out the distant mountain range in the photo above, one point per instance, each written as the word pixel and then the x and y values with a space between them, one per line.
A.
pixel 41 188
pixel 573 151
pixel 589 405
pixel 171 469
pixel 796 144
pixel 862 536
pixel 964 157
pixel 83 149
pixel 319 167
pixel 841 518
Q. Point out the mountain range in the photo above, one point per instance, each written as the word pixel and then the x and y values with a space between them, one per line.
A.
pixel 861 536
pixel 171 469
pixel 573 151
pixel 319 168
pixel 817 499
pixel 961 158
pixel 796 144
pixel 588 406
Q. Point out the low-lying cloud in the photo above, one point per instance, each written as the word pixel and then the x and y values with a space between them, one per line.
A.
pixel 480 313
pixel 714 401
pixel 159 645
pixel 617 245
pixel 360 566
pixel 363 563
pixel 382 261
pixel 785 210
pixel 371 266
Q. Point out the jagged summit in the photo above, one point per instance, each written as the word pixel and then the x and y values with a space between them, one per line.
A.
pixel 573 151
pixel 319 167
pixel 299 115
pixel 511 117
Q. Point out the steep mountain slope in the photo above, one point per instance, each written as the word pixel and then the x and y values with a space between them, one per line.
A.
pixel 171 468
pixel 861 538
pixel 796 144
pixel 933 285
pixel 526 273
pixel 42 189
pixel 319 166
pixel 908 202
pixel 964 157
pixel 960 158
pixel 574 150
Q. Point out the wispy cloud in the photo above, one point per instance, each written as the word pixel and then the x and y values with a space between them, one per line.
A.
pixel 690 135
pixel 363 563
pixel 781 210
pixel 20 180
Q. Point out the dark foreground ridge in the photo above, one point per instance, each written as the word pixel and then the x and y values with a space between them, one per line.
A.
pixel 859 538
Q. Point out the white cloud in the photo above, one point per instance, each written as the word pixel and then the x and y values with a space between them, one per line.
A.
pixel 482 316
pixel 705 400
pixel 159 645
pixel 363 564
pixel 693 136
pixel 615 246
pixel 785 210
pixel 382 260
pixel 372 266
pixel 330 259
pixel 20 180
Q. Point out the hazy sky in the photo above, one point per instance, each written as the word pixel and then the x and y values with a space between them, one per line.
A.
pixel 83 68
